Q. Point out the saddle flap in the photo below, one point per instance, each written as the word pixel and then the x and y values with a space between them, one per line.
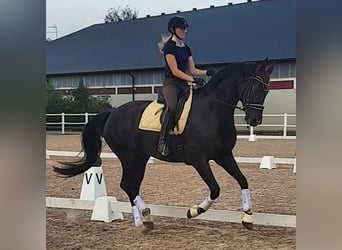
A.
pixel 150 118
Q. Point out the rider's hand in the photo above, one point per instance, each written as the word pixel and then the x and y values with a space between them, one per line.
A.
pixel 198 81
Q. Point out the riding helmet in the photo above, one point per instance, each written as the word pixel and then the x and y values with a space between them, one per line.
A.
pixel 177 22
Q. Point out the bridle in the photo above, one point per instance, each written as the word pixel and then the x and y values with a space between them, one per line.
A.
pixel 247 88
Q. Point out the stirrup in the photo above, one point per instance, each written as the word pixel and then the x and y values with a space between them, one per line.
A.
pixel 162 149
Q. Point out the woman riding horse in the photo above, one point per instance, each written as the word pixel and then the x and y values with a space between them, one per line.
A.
pixel 209 134
pixel 179 62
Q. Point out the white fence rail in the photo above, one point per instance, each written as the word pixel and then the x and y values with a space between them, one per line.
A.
pixel 279 122
pixel 64 122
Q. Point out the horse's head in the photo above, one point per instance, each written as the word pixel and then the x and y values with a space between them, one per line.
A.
pixel 253 92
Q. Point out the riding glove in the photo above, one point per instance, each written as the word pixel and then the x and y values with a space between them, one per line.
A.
pixel 211 71
pixel 199 81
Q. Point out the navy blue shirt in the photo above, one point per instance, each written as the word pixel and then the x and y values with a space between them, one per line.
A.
pixel 181 54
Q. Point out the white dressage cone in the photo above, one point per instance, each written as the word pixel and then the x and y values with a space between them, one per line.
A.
pixel 93 184
pixel 267 162
pixel 103 210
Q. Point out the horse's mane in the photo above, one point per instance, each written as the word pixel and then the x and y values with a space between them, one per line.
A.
pixel 233 71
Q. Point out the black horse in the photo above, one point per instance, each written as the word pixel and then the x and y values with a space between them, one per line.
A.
pixel 209 134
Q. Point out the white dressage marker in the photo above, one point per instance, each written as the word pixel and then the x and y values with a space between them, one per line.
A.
pixel 267 162
pixel 103 211
pixel 93 185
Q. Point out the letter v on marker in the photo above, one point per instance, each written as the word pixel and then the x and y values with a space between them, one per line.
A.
pixel 88 180
pixel 99 179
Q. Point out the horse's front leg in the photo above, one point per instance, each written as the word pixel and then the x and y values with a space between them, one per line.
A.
pixel 133 169
pixel 227 161
pixel 204 170
pixel 142 215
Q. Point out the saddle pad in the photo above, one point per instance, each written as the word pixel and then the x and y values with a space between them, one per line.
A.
pixel 150 118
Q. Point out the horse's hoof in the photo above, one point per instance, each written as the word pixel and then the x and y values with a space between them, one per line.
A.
pixel 147 226
pixel 247 220
pixel 194 212
pixel 247 225
pixel 147 220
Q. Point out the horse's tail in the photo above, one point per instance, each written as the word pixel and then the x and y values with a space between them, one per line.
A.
pixel 91 145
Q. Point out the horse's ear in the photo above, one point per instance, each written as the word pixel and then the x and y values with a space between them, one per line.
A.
pixel 262 64
pixel 269 67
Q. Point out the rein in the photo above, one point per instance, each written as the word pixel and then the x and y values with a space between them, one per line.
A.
pixel 244 106
pixel 224 103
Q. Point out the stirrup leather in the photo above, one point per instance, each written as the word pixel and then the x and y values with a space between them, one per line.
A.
pixel 162 148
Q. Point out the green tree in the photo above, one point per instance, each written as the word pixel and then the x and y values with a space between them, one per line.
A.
pixel 53 99
pixel 81 98
pixel 97 105
pixel 80 101
pixel 84 102
pixel 120 14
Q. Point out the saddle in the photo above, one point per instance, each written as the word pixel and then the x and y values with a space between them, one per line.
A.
pixel 183 96
pixel 153 114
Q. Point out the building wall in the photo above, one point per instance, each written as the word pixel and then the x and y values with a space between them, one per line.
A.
pixel 119 87
pixel 143 77
pixel 279 100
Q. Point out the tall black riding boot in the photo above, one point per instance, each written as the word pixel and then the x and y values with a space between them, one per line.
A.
pixel 162 147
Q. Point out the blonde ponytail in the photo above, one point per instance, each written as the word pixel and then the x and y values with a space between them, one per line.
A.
pixel 164 39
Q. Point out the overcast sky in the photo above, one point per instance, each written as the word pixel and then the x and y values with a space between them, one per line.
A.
pixel 72 15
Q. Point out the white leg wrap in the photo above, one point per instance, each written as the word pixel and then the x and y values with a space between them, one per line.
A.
pixel 137 216
pixel 206 203
pixel 139 203
pixel 246 199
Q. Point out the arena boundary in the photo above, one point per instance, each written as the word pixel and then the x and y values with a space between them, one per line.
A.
pixel 169 211
pixel 287 161
pixel 178 212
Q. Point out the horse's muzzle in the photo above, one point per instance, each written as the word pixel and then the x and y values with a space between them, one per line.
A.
pixel 253 121
pixel 253 114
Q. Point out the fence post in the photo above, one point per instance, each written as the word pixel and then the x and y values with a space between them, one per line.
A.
pixel 63 121
pixel 251 134
pixel 285 124
pixel 86 117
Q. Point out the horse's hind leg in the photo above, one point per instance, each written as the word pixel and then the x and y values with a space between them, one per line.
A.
pixel 227 161
pixel 133 168
pixel 203 168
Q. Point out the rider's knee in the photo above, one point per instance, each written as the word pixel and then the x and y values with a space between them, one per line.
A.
pixel 171 111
